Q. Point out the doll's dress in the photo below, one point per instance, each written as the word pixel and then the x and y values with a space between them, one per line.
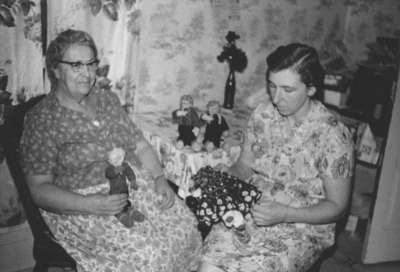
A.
pixel 186 124
pixel 214 130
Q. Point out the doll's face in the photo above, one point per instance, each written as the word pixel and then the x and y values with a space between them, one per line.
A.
pixel 116 156
pixel 213 109
pixel 185 104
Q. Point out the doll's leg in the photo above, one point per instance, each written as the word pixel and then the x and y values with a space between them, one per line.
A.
pixel 136 215
pixel 125 217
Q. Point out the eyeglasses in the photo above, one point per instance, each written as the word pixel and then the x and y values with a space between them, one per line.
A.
pixel 78 66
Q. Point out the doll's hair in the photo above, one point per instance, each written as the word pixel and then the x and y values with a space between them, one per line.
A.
pixel 212 103
pixel 188 98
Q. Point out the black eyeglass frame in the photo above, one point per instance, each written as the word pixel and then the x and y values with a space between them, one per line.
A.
pixel 77 65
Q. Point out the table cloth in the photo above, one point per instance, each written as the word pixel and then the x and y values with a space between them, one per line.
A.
pixel 180 164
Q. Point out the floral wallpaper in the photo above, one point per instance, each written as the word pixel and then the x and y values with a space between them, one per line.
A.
pixel 180 41
pixel 153 52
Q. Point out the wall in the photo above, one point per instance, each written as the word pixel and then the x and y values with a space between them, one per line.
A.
pixel 181 39
pixel 175 43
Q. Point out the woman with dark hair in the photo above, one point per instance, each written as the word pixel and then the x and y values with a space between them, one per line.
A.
pixel 301 158
pixel 67 140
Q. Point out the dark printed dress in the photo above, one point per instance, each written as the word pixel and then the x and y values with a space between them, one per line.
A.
pixel 73 148
pixel 290 162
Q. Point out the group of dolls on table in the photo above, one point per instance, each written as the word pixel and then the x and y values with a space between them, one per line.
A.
pixel 214 196
pixel 200 131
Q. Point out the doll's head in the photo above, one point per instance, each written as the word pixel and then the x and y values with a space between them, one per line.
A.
pixel 213 107
pixel 186 101
pixel 116 156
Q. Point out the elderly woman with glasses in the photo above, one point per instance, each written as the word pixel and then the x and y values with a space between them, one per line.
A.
pixel 66 144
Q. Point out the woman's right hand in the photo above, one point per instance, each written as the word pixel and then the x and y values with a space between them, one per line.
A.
pixel 104 204
pixel 222 167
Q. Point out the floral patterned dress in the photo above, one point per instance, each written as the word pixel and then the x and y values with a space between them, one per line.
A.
pixel 65 143
pixel 289 162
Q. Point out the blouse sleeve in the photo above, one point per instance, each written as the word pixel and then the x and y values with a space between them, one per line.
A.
pixel 249 138
pixel 336 158
pixel 114 105
pixel 38 147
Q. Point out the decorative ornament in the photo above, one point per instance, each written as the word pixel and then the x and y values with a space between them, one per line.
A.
pixel 110 9
pixel 237 61
pixel 129 3
pixel 95 6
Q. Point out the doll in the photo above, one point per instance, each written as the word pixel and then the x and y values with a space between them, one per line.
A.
pixel 188 121
pixel 216 128
pixel 214 194
pixel 119 172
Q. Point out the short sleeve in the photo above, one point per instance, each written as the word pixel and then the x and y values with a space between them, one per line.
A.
pixel 126 132
pixel 258 122
pixel 38 147
pixel 336 158
pixel 254 126
pixel 113 105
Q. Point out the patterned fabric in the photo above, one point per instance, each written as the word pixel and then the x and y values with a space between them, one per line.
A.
pixel 289 163
pixel 180 164
pixel 65 143
pixel 218 193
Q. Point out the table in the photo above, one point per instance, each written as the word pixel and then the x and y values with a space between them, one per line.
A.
pixel 180 164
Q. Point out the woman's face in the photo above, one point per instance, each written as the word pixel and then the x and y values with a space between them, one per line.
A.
pixel 74 78
pixel 289 94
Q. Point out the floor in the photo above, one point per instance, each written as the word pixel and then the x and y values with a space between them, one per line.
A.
pixel 346 258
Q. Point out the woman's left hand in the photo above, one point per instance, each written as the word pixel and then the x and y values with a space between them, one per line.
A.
pixel 269 213
pixel 163 189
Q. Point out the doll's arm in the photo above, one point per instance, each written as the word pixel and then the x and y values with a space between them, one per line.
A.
pixel 175 116
pixel 130 174
pixel 195 119
pixel 206 117
pixel 111 172
pixel 224 124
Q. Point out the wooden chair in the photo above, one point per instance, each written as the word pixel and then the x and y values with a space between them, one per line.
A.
pixel 46 251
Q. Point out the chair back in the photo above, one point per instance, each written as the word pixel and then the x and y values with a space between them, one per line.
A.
pixel 46 251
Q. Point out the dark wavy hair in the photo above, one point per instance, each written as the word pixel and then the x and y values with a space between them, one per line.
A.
pixel 60 44
pixel 302 59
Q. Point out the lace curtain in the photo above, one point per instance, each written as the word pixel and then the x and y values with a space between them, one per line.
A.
pixel 21 59
pixel 21 75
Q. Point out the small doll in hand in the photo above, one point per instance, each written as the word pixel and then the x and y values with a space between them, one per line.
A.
pixel 188 121
pixel 119 173
pixel 217 128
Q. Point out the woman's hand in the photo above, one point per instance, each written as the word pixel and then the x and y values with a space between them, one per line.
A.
pixel 102 204
pixel 221 167
pixel 269 213
pixel 163 189
pixel 238 170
